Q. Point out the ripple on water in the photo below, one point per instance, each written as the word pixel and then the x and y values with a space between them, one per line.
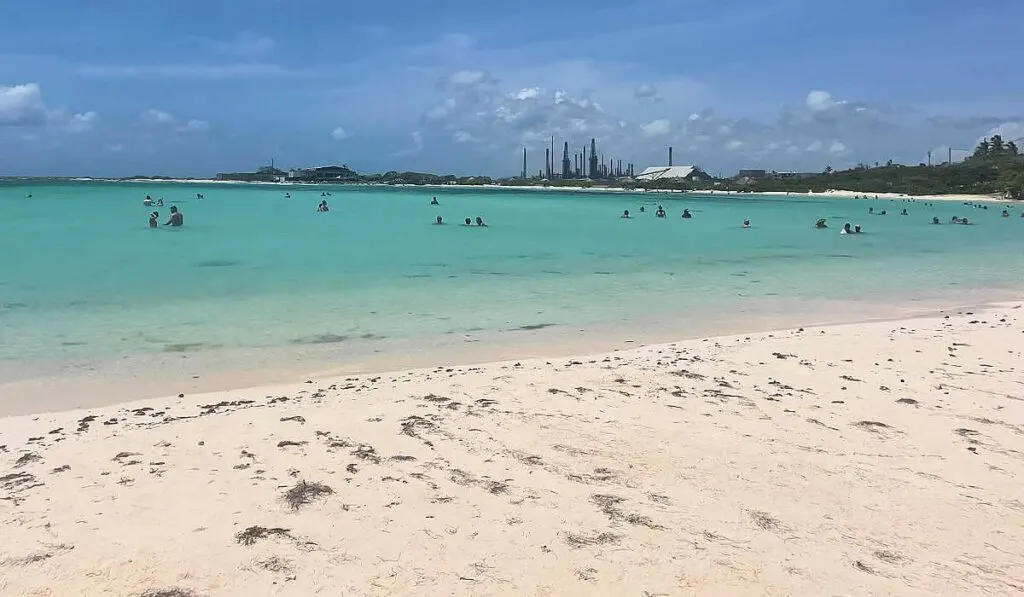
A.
pixel 218 263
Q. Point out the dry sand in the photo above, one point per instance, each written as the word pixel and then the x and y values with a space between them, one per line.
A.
pixel 869 459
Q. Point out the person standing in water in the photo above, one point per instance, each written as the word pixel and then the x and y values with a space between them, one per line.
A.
pixel 625 214
pixel 439 221
pixel 153 219
pixel 746 223
pixel 686 214
pixel 176 218
pixel 434 201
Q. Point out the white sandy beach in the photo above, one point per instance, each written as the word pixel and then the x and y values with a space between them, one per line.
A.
pixel 870 459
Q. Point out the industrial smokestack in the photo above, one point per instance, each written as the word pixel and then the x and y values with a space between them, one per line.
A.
pixel 524 162
pixel 670 156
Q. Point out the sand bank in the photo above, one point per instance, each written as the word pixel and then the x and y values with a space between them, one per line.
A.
pixel 868 459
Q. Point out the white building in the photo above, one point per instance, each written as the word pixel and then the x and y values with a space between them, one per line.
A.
pixel 688 173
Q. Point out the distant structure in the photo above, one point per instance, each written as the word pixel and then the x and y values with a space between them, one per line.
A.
pixel 679 173
pixel 524 162
pixel 566 164
pixel 547 163
pixel 669 156
pixel 752 175
pixel 593 167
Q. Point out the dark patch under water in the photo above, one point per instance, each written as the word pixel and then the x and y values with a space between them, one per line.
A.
pixel 322 339
pixel 183 347
pixel 15 305
pixel 218 263
pixel 533 326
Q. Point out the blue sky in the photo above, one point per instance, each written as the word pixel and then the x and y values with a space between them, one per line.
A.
pixel 184 87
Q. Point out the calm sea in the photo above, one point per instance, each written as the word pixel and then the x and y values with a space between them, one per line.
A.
pixel 82 274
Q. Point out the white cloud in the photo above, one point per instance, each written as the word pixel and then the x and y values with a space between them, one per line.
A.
pixel 498 122
pixel 657 128
pixel 22 105
pixel 340 134
pixel 154 116
pixel 645 91
pixel 528 93
pixel 1009 131
pixel 819 100
pixel 82 123
pixel 194 126
pixel 467 77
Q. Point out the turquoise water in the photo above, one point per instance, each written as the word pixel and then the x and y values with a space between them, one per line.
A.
pixel 83 275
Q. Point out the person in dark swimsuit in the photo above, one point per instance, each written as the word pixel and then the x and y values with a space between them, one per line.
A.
pixel 176 218
pixel 153 219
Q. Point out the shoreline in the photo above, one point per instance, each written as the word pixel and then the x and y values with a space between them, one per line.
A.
pixel 790 462
pixel 53 387
pixel 696 193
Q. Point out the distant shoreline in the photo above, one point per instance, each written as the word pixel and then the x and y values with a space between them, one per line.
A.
pixel 832 193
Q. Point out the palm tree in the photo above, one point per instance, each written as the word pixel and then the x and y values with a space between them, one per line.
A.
pixel 983 149
pixel 997 144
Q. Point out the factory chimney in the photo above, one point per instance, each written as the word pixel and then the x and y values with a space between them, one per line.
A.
pixel 670 156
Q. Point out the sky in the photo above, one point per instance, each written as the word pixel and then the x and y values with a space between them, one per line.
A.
pixel 190 88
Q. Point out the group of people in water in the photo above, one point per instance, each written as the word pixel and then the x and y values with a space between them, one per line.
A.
pixel 176 218
pixel 439 221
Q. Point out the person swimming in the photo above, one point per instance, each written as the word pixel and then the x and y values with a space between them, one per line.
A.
pixel 176 218
pixel 153 219
pixel 287 195
pixel 467 222
pixel 661 212
pixel 439 221
pixel 686 214
pixel 746 223
pixel 323 206
pixel 625 214
pixel 480 222
pixel 881 213
pixel 955 220
pixel 935 220
pixel 820 223
pixel 1006 213
pixel 160 202
pixel 147 201
pixel 641 209
pixel 965 222
pixel 846 229
pixel 904 212
pixel 871 210
pixel 434 201
pixel 856 229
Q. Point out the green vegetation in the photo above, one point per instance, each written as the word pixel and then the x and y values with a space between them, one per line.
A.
pixel 995 168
